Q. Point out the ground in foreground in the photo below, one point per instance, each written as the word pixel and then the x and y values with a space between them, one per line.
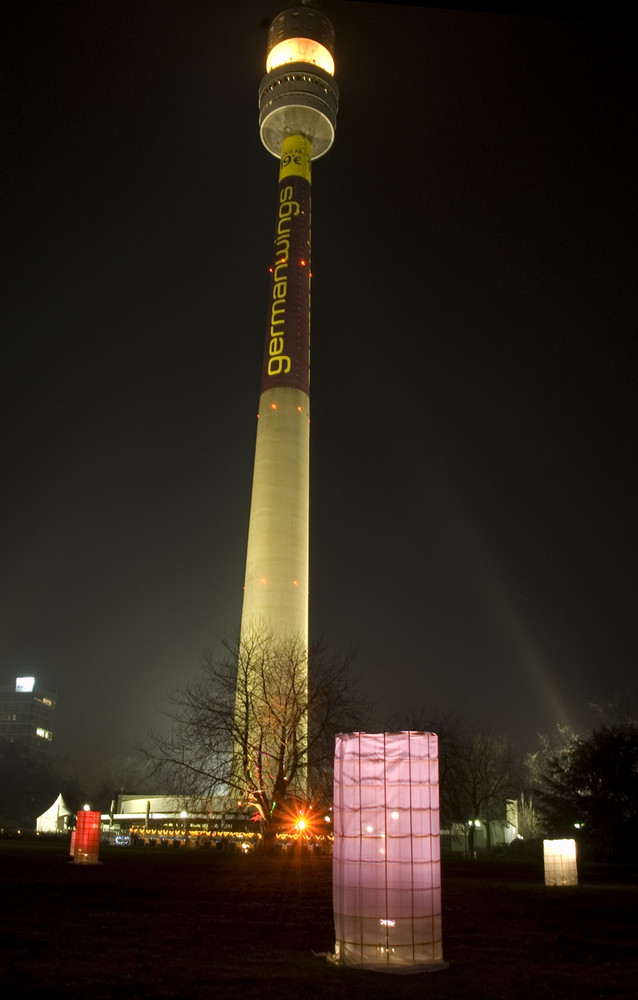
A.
pixel 167 923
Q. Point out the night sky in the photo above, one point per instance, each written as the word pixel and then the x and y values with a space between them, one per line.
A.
pixel 473 470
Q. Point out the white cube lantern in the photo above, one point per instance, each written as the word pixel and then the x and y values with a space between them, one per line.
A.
pixel 387 864
pixel 560 862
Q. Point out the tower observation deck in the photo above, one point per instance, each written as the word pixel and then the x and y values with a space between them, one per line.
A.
pixel 298 101
pixel 298 95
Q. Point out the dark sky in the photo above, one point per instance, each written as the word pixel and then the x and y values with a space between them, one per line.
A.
pixel 473 491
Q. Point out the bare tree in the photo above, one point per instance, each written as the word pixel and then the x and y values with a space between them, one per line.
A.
pixel 122 774
pixel 477 772
pixel 588 782
pixel 257 726
pixel 557 746
pixel 530 824
pixel 127 773
pixel 488 771
pixel 454 733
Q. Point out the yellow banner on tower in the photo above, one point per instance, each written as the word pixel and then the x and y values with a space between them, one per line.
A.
pixel 295 157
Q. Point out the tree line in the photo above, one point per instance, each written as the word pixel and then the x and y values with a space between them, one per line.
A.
pixel 252 726
pixel 257 727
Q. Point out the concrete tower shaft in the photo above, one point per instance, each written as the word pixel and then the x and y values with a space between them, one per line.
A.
pixel 297 118
pixel 276 581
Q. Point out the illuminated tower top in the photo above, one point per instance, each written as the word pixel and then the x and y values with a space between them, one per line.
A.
pixel 298 95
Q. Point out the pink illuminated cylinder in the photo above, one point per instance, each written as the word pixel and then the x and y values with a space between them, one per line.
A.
pixel 87 838
pixel 386 867
pixel 559 857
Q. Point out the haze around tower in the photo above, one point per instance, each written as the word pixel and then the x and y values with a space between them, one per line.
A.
pixel 474 417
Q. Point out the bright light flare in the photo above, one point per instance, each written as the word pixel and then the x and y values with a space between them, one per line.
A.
pixel 306 50
pixel 301 824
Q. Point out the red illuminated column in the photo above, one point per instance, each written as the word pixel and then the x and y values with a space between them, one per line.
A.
pixel 87 838
pixel 386 865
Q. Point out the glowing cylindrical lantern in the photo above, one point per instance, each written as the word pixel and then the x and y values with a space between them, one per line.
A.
pixel 386 868
pixel 560 862
pixel 87 838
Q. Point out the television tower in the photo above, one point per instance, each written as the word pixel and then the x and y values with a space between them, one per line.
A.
pixel 298 100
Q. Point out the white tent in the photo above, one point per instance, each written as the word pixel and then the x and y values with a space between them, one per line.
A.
pixel 55 817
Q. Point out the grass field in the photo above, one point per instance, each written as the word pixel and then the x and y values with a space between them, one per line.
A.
pixel 160 923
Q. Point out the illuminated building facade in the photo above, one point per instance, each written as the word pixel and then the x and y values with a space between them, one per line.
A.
pixel 27 713
pixel 297 117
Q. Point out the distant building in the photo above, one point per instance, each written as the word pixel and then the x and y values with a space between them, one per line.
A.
pixel 27 713
pixel 202 821
pixel 190 819
pixel 487 834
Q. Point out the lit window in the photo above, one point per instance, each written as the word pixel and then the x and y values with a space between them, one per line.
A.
pixel 300 50
pixel 43 733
